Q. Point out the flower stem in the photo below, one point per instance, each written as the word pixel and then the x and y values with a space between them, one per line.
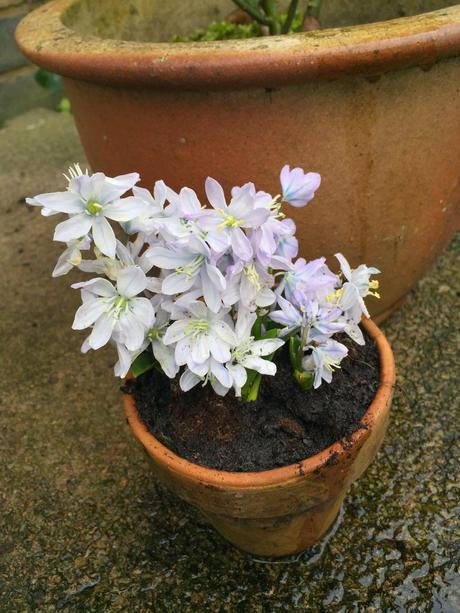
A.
pixel 290 16
pixel 253 12
pixel 254 390
pixel 269 7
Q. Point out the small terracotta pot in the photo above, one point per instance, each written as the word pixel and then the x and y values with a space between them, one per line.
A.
pixel 285 510
pixel 373 107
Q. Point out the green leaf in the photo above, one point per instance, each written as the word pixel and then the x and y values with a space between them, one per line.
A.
pixel 250 389
pixel 272 333
pixel 48 80
pixel 144 362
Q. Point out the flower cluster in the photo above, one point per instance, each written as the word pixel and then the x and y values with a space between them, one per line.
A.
pixel 206 293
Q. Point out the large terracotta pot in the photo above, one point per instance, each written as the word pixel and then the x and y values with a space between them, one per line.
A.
pixel 374 108
pixel 285 510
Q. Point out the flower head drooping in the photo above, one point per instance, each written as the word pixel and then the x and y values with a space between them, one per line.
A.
pixel 71 256
pixel 298 188
pixel 323 360
pixel 207 294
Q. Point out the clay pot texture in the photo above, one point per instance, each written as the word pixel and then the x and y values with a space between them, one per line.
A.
pixel 373 107
pixel 282 511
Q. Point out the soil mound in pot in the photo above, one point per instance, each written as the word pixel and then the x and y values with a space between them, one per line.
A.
pixel 285 425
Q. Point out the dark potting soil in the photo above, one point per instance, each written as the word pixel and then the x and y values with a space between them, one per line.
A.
pixel 283 426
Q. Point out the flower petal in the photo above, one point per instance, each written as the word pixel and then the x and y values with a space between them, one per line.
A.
pixel 182 351
pixel 87 314
pixel 266 346
pixel 111 188
pixel 241 245
pixel 165 258
pixel 175 332
pixel 188 380
pixel 75 227
pixel 176 283
pixel 143 310
pixel 165 357
pixel 102 331
pixel 220 351
pixel 133 332
pixel 104 236
pixel 131 281
pixel 125 209
pixel 200 349
pixel 215 194
pixel 265 367
pixel 221 374
pixel 60 202
pixel 98 286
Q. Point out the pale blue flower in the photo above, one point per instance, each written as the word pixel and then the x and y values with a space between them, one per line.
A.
pixel 297 186
pixel 250 284
pixel 311 279
pixel 323 360
pixel 193 266
pixel 232 219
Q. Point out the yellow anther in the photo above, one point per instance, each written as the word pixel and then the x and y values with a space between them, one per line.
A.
pixel 230 222
pixel 335 296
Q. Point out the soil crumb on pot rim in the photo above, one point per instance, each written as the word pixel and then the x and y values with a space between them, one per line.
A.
pixel 284 426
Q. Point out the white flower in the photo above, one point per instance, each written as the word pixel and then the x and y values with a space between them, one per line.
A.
pixel 125 256
pixel 323 360
pixel 125 358
pixel 193 266
pixel 356 287
pixel 163 354
pixel 249 283
pixel 89 201
pixel 231 219
pixel 248 352
pixel 153 209
pixel 71 256
pixel 196 286
pixel 210 371
pixel 115 311
pixel 199 334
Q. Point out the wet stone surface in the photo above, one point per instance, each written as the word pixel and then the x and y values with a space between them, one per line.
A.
pixel 83 527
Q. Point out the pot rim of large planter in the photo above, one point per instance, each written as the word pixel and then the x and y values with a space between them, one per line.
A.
pixel 269 478
pixel 273 61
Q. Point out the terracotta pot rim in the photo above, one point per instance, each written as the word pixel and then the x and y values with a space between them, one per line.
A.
pixel 213 477
pixel 369 49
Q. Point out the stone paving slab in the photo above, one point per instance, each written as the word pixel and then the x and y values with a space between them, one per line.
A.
pixel 83 527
